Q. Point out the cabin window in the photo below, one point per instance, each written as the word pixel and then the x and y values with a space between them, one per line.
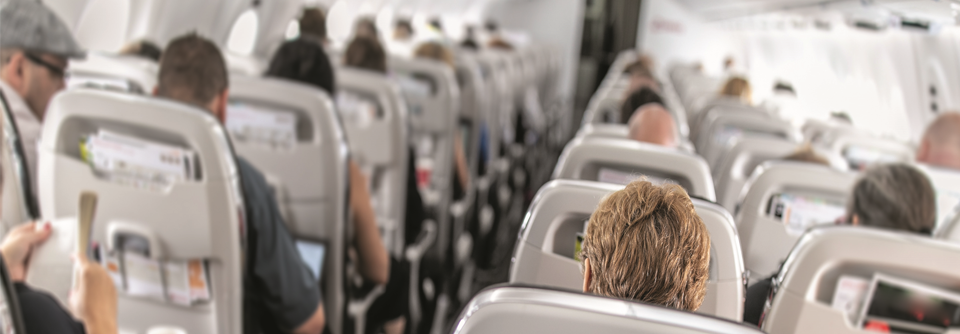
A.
pixel 243 35
pixel 293 30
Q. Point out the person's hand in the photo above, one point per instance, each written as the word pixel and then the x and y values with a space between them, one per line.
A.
pixel 94 300
pixel 17 246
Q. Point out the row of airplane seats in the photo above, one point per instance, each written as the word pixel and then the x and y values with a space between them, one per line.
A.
pixel 307 170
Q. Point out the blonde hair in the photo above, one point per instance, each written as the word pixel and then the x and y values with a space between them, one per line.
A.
pixel 806 154
pixel 647 243
pixel 435 51
pixel 737 87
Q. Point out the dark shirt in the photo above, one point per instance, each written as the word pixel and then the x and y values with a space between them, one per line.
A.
pixel 415 213
pixel 280 292
pixel 43 314
pixel 756 300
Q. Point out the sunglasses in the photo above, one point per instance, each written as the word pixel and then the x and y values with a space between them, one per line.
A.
pixel 57 71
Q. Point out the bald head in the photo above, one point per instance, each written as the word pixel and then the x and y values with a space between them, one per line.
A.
pixel 652 123
pixel 941 142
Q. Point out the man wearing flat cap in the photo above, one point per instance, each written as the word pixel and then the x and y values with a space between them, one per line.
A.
pixel 34 48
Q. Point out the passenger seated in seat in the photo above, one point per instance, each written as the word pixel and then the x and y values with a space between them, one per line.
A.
pixel 636 100
pixel 367 54
pixel 307 62
pixel 438 52
pixel 641 76
pixel 366 28
pixel 144 49
pixel 646 243
pixel 313 25
pixel 941 142
pixel 34 47
pixel 806 154
pixel 738 88
pixel 94 302
pixel 280 295
pixel 652 123
pixel 892 196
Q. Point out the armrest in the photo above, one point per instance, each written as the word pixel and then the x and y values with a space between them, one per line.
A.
pixel 426 239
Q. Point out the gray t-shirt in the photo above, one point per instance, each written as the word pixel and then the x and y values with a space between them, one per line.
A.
pixel 280 292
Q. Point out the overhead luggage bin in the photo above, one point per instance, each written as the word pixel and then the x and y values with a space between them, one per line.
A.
pixel 119 73
pixel 782 200
pixel 180 215
pixel 292 134
pixel 520 309
pixel 19 201
pixel 832 270
pixel 622 160
pixel 544 255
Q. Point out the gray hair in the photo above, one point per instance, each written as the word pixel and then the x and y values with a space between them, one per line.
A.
pixel 894 196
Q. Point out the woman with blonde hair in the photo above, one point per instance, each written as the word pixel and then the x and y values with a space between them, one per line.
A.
pixel 737 87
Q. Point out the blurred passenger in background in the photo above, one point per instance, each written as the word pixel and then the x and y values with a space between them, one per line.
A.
pixel 402 42
pixel 892 196
pixel 403 30
pixel 807 154
pixel 366 27
pixel 640 77
pixel 940 145
pixel 438 52
pixel 653 124
pixel 470 41
pixel 313 25
pixel 366 53
pixel 737 88
pixel 143 49
pixel 636 100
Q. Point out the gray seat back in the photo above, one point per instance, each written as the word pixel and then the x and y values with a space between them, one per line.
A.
pixel 308 172
pixel 198 218
pixel 544 254
pixel 380 145
pixel 594 158
pixel 114 72
pixel 514 309
pixel 765 238
pixel 810 276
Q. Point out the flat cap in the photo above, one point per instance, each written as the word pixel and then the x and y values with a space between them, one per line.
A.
pixel 29 25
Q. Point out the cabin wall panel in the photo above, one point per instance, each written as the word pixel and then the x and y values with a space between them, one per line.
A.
pixel 554 23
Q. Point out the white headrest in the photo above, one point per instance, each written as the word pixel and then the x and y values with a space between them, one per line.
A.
pixel 115 72
pixel 583 159
pixel 440 108
pixel 510 309
pixel 319 141
pixel 810 275
pixel 734 167
pixel 859 146
pixel 601 130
